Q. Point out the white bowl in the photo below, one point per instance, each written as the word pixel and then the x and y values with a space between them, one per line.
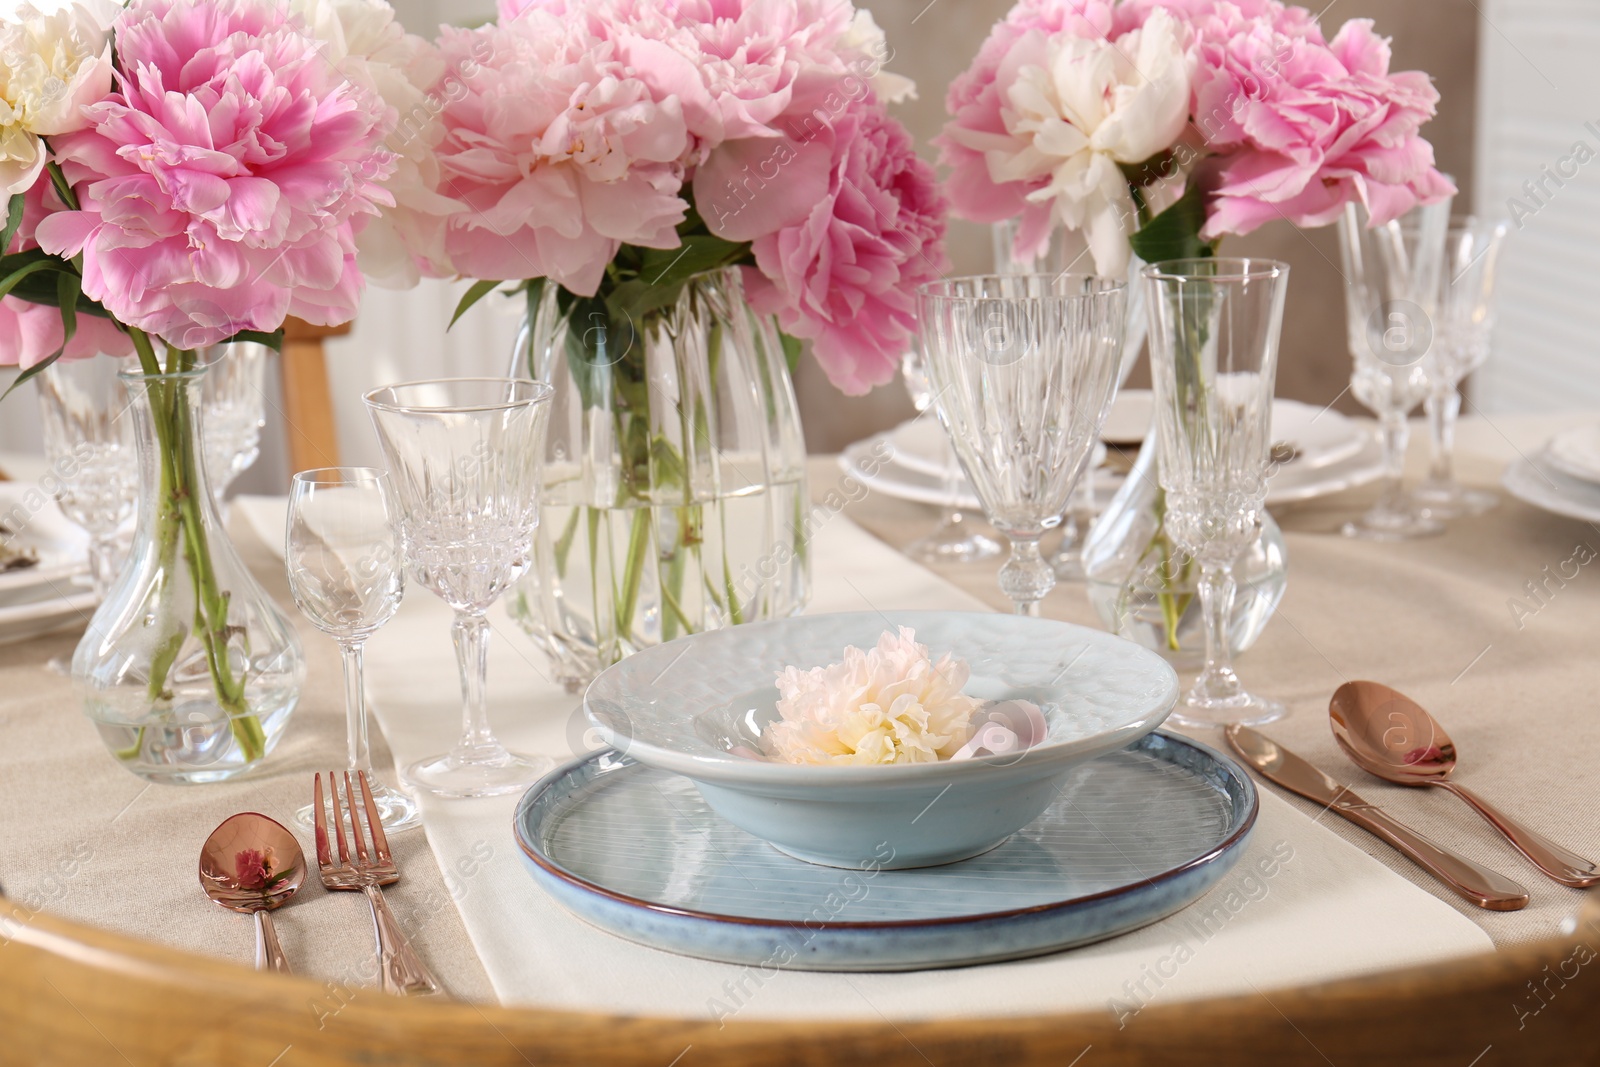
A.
pixel 687 705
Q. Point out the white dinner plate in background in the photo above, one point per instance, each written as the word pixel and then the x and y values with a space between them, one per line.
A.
pixel 62 547
pixel 1539 482
pixel 1576 453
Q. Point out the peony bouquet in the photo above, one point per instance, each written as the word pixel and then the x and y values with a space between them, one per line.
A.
pixel 1160 126
pixel 183 173
pixel 618 148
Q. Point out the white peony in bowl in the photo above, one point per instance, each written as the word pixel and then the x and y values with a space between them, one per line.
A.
pixel 704 706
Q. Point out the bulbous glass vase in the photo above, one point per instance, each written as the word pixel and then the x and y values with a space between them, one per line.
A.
pixel 1146 590
pixel 188 669
pixel 675 493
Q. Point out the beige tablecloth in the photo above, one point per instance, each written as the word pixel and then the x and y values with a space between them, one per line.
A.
pixel 1433 618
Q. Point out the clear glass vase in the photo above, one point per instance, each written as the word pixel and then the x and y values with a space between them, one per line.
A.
pixel 188 669
pixel 675 493
pixel 1145 590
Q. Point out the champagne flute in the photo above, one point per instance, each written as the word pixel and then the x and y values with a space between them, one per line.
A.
pixel 465 454
pixel 1214 329
pixel 345 561
pixel 953 540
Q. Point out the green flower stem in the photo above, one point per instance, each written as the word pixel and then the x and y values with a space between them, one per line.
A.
pixel 179 522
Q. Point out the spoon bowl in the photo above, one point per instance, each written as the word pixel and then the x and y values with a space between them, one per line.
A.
pixel 1389 735
pixel 253 864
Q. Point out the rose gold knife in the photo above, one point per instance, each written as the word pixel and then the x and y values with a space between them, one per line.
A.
pixel 1484 887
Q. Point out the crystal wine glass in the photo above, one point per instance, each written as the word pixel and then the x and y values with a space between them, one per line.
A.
pixel 1023 368
pixel 1064 251
pixel 464 454
pixel 1214 326
pixel 88 439
pixel 1391 283
pixel 235 411
pixel 346 561
pixel 1460 346
pixel 953 540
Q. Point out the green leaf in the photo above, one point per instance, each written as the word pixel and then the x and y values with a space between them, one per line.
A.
pixel 13 221
pixel 67 293
pixel 63 188
pixel 697 255
pixel 273 340
pixel 477 292
pixel 1175 233
pixel 9 282
pixel 40 289
pixel 28 374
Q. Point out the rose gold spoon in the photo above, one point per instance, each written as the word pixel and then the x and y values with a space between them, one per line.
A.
pixel 253 864
pixel 1392 736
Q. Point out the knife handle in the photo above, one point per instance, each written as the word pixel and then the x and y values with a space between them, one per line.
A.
pixel 1484 887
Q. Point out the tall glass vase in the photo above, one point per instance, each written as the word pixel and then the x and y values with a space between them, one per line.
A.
pixel 188 669
pixel 1145 589
pixel 675 493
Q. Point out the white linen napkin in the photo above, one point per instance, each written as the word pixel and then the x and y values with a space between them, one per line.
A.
pixel 1301 906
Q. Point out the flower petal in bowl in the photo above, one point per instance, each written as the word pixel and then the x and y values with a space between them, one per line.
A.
pixel 699 707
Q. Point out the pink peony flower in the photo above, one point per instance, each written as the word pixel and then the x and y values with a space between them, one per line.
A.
pixel 252 868
pixel 559 152
pixel 846 275
pixel 1306 128
pixel 222 185
pixel 29 333
pixel 975 100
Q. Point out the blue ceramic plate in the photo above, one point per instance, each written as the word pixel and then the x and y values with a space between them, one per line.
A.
pixel 1133 836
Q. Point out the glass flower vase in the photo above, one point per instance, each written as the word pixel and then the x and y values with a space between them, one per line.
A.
pixel 1146 590
pixel 188 669
pixel 675 494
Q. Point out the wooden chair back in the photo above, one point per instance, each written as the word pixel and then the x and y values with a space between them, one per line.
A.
pixel 310 432
pixel 70 994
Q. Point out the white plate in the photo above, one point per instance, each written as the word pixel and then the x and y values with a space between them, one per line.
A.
pixel 893 478
pixel 62 547
pixel 21 621
pixel 1540 483
pixel 1293 481
pixel 1576 453
pixel 1323 436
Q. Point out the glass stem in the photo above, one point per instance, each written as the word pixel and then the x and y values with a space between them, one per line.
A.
pixel 102 557
pixel 471 634
pixel 355 708
pixel 1396 433
pixel 1443 407
pixel 1217 588
pixel 1026 577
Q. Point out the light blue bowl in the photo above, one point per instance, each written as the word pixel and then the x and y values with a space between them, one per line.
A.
pixel 685 707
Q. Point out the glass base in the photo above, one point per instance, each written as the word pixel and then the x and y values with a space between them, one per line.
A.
pixel 1449 500
pixel 1246 709
pixel 1392 526
pixel 953 542
pixel 396 810
pixel 486 772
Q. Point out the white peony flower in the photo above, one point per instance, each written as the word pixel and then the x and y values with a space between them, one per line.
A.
pixel 889 704
pixel 865 36
pixel 371 48
pixel 53 60
pixel 1085 108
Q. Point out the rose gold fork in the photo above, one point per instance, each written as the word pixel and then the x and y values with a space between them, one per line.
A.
pixel 403 970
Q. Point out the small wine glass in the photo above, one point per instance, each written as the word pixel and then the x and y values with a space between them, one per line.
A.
pixel 346 566
pixel 1214 329
pixel 1460 346
pixel 953 540
pixel 88 439
pixel 1023 368
pixel 1391 279
pixel 465 454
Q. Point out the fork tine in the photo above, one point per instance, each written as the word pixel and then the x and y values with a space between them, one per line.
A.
pixel 338 817
pixel 324 856
pixel 362 856
pixel 380 840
